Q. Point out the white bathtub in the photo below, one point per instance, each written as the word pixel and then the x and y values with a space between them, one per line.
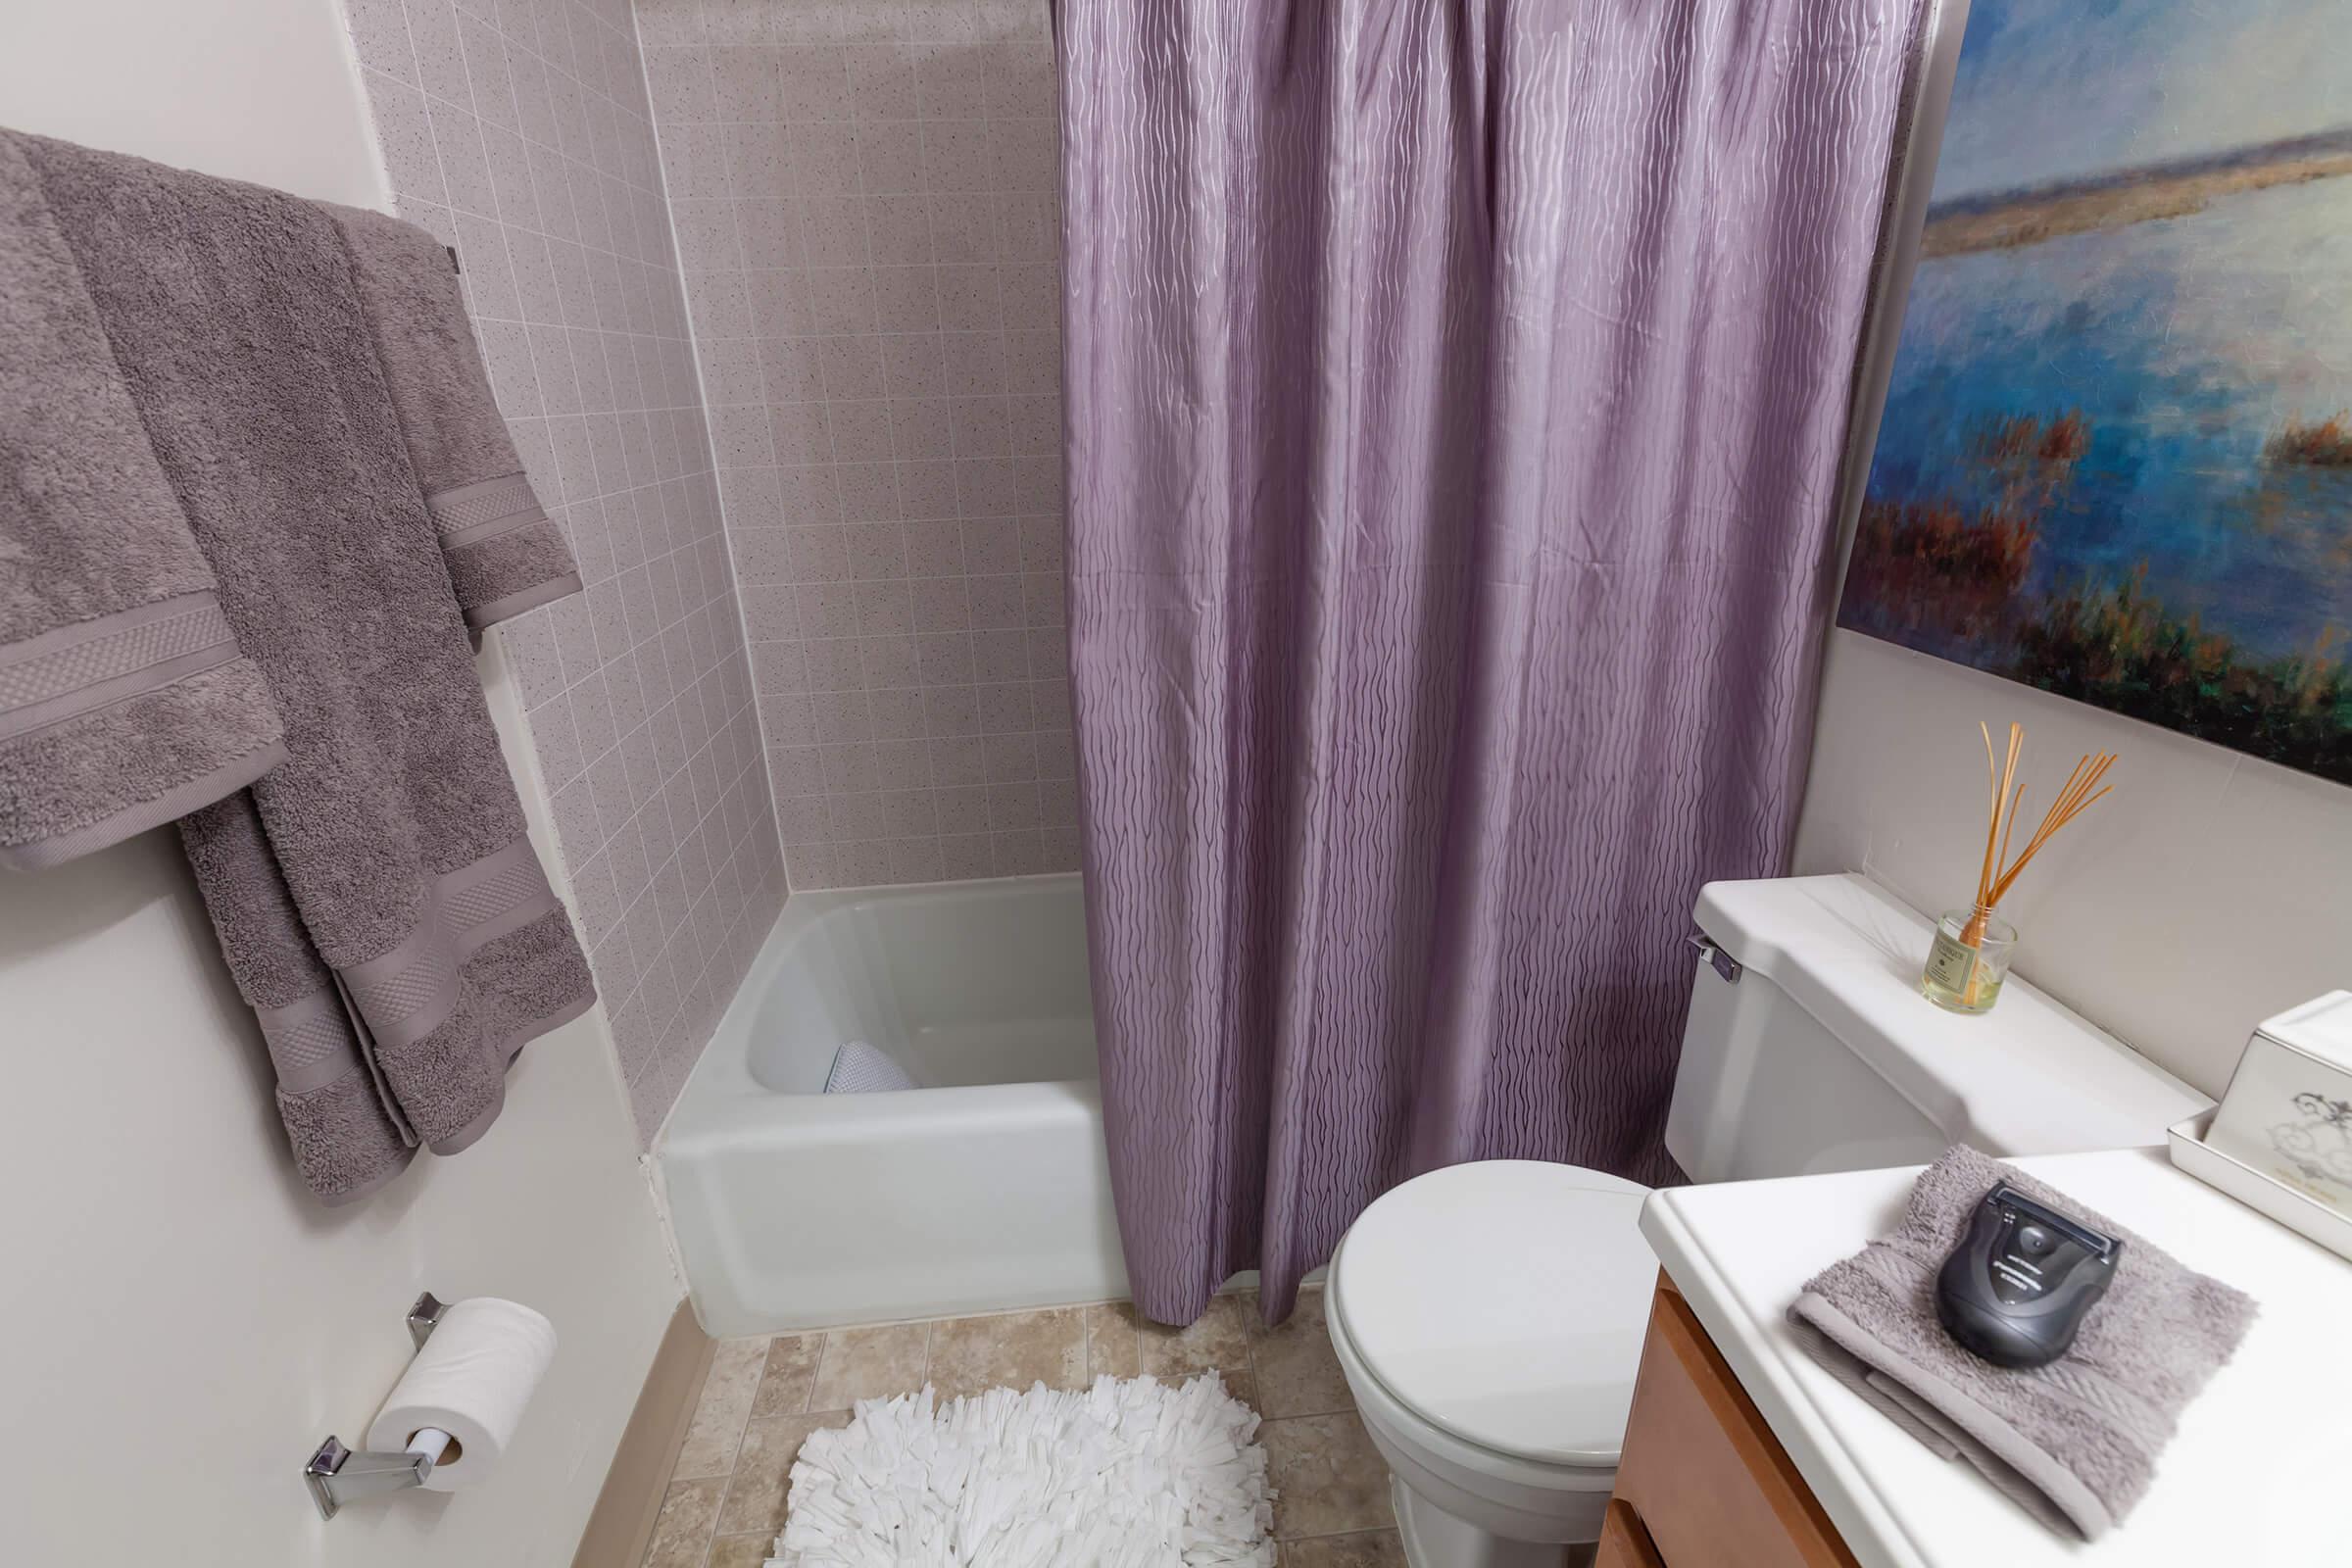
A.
pixel 985 1189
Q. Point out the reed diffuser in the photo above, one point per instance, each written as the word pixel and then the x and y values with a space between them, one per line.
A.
pixel 1970 958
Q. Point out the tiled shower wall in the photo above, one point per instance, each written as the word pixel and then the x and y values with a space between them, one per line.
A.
pixel 864 194
pixel 518 132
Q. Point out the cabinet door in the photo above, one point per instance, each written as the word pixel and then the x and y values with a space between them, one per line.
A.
pixel 1702 1473
pixel 1623 1543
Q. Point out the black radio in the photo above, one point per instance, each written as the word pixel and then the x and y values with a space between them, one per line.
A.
pixel 2017 1287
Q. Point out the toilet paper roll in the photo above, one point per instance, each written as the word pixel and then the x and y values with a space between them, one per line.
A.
pixel 472 1379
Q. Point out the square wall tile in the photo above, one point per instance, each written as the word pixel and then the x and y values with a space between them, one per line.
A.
pixel 520 134
pixel 867 210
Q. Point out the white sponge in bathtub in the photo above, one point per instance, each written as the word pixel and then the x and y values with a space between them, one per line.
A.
pixel 862 1070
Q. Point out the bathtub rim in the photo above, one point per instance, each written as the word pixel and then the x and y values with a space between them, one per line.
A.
pixel 721 1102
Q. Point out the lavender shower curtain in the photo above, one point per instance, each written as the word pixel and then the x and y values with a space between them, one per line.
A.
pixel 1457 390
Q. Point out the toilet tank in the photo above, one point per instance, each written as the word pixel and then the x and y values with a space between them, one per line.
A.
pixel 1808 1048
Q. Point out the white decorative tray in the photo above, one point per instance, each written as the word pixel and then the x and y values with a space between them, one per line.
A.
pixel 2250 1187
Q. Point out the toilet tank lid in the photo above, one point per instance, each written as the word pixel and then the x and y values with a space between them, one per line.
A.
pixel 2031 1077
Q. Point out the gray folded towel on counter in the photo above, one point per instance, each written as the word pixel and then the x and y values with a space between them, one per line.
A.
pixel 505 554
pixel 374 894
pixel 2076 1442
pixel 125 701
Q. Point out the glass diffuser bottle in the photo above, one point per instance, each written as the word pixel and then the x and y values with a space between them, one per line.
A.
pixel 1969 961
pixel 1969 958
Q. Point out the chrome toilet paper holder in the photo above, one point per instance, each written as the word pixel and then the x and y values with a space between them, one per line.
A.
pixel 337 1475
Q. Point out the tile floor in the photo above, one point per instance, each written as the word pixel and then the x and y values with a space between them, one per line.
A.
pixel 725 1500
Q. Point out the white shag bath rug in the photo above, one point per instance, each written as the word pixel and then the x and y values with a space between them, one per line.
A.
pixel 1130 1474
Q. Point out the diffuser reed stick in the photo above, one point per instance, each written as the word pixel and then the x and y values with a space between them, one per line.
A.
pixel 1959 975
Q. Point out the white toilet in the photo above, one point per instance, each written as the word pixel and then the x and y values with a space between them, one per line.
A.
pixel 1488 1316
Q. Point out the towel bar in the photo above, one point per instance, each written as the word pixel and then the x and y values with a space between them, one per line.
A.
pixel 337 1475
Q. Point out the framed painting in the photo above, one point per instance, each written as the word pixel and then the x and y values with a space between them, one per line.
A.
pixel 2115 460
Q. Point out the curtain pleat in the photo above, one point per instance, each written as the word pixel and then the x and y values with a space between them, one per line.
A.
pixel 1455 395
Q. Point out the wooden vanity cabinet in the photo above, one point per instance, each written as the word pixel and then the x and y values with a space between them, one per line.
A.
pixel 1624 1543
pixel 1703 1483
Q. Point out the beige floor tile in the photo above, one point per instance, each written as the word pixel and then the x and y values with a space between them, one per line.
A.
pixel 1011 1350
pixel 1215 1341
pixel 764 1474
pixel 791 1371
pixel 1328 1477
pixel 719 1414
pixel 1297 1373
pixel 682 1530
pixel 1243 1386
pixel 1111 1348
pixel 1374 1548
pixel 869 1364
pixel 753 1550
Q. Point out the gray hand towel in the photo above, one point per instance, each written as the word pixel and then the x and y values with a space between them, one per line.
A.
pixel 125 701
pixel 387 856
pixel 505 554
pixel 346 1137
pixel 2076 1442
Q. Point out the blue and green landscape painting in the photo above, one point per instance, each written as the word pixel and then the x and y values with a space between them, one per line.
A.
pixel 2116 457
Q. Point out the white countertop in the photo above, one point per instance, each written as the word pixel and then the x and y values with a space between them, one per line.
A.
pixel 2255 1476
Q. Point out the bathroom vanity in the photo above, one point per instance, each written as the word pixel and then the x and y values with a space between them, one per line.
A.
pixel 1743 1450
pixel 1489 1317
pixel 1702 1472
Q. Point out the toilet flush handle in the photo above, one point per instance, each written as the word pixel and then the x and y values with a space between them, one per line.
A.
pixel 1724 964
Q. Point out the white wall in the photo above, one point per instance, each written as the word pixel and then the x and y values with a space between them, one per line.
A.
pixel 253 90
pixel 180 1323
pixel 2208 892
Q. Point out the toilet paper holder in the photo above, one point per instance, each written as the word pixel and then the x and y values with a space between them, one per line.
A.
pixel 337 1475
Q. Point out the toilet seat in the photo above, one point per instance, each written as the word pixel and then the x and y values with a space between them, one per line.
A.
pixel 1502 1305
pixel 1486 1472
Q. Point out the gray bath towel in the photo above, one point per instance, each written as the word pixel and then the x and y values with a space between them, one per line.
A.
pixel 505 554
pixel 374 893
pixel 125 701
pixel 2076 1442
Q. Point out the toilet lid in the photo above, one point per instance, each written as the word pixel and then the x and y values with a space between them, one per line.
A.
pixel 1504 1301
